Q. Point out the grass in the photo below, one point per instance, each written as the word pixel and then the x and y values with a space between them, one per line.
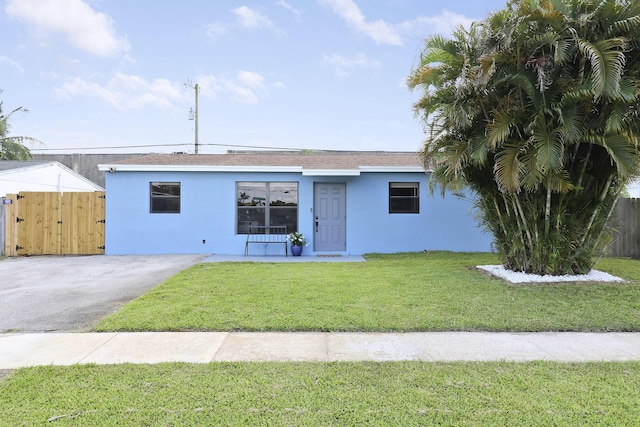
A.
pixel 307 394
pixel 435 291
pixel 403 292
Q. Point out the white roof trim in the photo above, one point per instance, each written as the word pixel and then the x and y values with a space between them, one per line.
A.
pixel 197 168
pixel 330 172
pixel 392 169
pixel 297 169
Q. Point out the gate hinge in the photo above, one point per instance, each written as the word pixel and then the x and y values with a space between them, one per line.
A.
pixel 101 247
pixel 102 221
pixel 18 248
pixel 18 219
pixel 102 197
pixel 19 197
pixel 59 222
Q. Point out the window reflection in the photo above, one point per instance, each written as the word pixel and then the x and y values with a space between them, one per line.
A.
pixel 267 203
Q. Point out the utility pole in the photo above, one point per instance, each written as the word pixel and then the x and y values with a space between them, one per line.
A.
pixel 193 115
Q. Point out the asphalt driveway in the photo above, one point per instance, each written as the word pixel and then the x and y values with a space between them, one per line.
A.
pixel 72 293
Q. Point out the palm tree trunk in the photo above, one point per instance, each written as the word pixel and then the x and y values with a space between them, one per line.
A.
pixel 600 199
pixel 523 222
pixel 583 167
pixel 547 212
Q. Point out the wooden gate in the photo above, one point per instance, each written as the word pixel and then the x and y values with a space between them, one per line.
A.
pixel 47 223
pixel 626 224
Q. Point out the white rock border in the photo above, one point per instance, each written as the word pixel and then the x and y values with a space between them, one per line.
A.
pixel 519 277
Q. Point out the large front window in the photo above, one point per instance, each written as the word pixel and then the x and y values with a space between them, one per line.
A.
pixel 267 203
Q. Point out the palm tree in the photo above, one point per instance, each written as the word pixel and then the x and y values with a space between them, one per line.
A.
pixel 13 147
pixel 536 110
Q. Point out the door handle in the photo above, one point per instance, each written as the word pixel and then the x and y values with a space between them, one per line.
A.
pixel 316 224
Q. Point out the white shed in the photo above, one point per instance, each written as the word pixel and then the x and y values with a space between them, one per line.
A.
pixel 633 189
pixel 17 176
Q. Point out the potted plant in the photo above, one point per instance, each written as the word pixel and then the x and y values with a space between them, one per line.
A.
pixel 297 241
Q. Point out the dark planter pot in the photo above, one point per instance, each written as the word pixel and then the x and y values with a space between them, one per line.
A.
pixel 296 250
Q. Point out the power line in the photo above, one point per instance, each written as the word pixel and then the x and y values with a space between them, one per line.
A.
pixel 167 145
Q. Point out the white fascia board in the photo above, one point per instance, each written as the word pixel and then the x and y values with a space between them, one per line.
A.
pixel 298 169
pixel 196 168
pixel 392 169
pixel 331 172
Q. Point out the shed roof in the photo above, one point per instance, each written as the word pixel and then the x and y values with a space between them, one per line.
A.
pixel 30 175
pixel 6 165
pixel 309 163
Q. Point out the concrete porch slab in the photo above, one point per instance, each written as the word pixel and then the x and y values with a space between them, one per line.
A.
pixel 270 258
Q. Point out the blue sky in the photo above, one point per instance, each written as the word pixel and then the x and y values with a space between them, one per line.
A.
pixel 109 75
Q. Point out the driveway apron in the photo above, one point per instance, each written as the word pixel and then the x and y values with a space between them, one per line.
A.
pixel 72 293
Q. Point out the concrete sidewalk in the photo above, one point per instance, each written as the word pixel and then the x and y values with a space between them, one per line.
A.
pixel 20 350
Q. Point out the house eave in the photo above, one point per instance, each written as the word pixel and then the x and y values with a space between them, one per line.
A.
pixel 291 169
pixel 331 172
pixel 387 169
pixel 196 168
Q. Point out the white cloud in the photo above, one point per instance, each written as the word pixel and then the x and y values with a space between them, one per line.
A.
pixel 11 63
pixel 379 31
pixel 344 66
pixel 83 27
pixel 251 79
pixel 216 29
pixel 240 93
pixel 246 87
pixel 209 85
pixel 124 91
pixel 292 9
pixel 251 18
pixel 246 18
pixel 444 24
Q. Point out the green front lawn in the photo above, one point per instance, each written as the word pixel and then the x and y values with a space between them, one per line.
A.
pixel 325 394
pixel 433 291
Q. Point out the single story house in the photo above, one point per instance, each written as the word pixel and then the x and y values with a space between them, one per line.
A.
pixel 345 203
pixel 47 176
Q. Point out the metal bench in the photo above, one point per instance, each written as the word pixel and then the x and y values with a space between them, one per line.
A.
pixel 267 234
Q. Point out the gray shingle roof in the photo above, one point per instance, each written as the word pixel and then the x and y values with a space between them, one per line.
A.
pixel 311 160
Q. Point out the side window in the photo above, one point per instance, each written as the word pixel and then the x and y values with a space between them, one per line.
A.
pixel 404 197
pixel 164 197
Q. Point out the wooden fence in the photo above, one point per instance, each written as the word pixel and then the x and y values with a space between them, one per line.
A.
pixel 626 225
pixel 73 224
pixel 47 223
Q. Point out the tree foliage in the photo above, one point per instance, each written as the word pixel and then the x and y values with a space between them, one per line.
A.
pixel 13 147
pixel 536 109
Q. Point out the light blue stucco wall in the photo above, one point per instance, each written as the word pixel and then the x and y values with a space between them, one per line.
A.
pixel 208 213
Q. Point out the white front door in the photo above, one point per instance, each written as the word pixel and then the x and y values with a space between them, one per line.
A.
pixel 330 216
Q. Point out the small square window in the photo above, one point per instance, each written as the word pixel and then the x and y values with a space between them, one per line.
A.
pixel 165 197
pixel 404 197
